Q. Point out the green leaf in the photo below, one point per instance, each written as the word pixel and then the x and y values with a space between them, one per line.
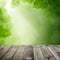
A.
pixel 37 4
pixel 40 4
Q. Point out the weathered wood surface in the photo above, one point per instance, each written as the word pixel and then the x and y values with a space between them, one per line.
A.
pixel 39 52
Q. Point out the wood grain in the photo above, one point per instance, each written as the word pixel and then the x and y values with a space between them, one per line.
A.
pixel 28 52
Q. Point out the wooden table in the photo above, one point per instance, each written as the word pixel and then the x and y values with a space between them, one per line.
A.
pixel 28 52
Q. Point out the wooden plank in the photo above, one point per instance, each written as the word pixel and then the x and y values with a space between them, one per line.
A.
pixel 46 53
pixel 38 53
pixel 53 52
pixel 19 53
pixel 28 53
pixel 10 54
pixel 4 51
pixel 57 46
pixel 35 54
pixel 57 50
pixel 1 47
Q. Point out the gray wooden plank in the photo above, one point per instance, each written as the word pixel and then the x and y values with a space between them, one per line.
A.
pixel 19 53
pixel 1 47
pixel 28 53
pixel 4 51
pixel 10 54
pixel 46 54
pixel 57 46
pixel 35 54
pixel 41 52
pixel 50 55
pixel 38 53
pixel 52 50
pixel 56 49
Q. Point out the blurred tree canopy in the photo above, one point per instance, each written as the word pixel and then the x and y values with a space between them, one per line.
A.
pixel 52 5
pixel 3 3
pixel 4 24
pixel 51 10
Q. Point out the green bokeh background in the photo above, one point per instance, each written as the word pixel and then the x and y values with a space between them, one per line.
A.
pixel 41 19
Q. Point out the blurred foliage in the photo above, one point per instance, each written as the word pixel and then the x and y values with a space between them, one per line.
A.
pixel 2 3
pixel 15 3
pixel 4 24
pixel 51 30
pixel 40 3
pixel 52 5
pixel 29 1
